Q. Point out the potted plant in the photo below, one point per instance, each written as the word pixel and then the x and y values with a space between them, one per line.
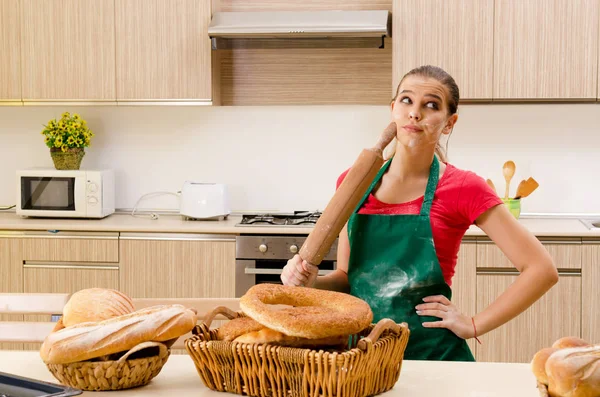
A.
pixel 67 139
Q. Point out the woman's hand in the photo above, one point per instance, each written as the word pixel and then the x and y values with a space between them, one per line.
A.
pixel 298 272
pixel 451 317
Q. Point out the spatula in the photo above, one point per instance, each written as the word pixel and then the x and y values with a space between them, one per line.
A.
pixel 530 185
pixel 491 184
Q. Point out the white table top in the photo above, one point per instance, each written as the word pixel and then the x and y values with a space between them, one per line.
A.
pixel 417 378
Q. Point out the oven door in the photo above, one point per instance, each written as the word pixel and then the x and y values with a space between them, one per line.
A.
pixel 51 195
pixel 260 271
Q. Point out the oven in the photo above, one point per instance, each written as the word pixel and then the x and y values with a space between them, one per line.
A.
pixel 261 259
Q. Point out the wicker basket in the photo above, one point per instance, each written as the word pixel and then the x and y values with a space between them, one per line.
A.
pixel 371 364
pixel 126 372
pixel 69 160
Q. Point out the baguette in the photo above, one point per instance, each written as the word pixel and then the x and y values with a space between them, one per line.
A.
pixel 88 340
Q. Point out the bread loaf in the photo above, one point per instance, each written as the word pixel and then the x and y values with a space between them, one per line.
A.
pixel 85 341
pixel 95 304
pixel 570 341
pixel 268 336
pixel 574 372
pixel 538 364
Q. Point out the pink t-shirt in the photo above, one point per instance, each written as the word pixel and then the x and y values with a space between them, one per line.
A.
pixel 460 198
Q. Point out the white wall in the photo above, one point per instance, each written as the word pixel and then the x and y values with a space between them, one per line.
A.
pixel 288 158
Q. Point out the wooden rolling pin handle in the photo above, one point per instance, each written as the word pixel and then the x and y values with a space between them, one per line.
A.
pixel 345 199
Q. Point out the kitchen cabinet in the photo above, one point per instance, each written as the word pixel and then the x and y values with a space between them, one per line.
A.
pixel 456 35
pixel 163 52
pixel 155 265
pixel 556 314
pixel 10 48
pixel 68 50
pixel 566 253
pixel 464 288
pixel 12 276
pixel 590 274
pixel 545 49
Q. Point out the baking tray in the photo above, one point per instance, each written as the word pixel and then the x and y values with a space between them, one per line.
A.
pixel 18 386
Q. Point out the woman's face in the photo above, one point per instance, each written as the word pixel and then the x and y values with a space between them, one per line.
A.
pixel 421 112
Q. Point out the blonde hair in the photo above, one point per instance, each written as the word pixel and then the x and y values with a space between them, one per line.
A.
pixel 444 78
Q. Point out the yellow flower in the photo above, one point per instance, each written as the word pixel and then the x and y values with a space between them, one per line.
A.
pixel 64 148
pixel 71 140
pixel 76 116
pixel 47 139
pixel 58 142
pixel 79 141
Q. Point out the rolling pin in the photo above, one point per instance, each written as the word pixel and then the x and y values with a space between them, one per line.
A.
pixel 345 199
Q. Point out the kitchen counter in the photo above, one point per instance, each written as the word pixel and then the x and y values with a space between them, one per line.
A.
pixel 417 378
pixel 170 223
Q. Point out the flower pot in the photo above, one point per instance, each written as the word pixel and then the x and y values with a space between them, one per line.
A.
pixel 69 160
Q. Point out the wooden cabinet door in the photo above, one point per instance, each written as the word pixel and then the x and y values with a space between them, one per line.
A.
pixel 590 272
pixel 556 314
pixel 464 288
pixel 10 48
pixel 11 277
pixel 163 50
pixel 456 35
pixel 177 266
pixel 545 49
pixel 68 50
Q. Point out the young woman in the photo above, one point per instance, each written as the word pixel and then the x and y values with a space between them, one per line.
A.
pixel 399 248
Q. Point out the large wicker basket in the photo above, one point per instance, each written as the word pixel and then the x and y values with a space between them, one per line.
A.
pixel 126 372
pixel 370 365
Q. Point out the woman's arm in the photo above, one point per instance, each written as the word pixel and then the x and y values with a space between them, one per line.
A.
pixel 537 275
pixel 338 279
pixel 528 255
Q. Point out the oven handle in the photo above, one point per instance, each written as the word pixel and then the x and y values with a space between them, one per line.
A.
pixel 277 271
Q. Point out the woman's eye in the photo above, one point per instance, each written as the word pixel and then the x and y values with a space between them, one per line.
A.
pixel 405 100
pixel 432 105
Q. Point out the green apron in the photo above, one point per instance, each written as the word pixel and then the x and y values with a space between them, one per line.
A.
pixel 393 266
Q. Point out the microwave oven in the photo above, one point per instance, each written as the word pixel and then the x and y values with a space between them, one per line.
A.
pixel 65 193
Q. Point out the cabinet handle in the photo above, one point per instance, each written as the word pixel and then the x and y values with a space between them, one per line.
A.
pixel 515 272
pixel 177 237
pixel 61 235
pixel 277 271
pixel 65 265
pixel 542 240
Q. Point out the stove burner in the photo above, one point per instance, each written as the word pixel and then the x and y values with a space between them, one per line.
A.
pixel 296 218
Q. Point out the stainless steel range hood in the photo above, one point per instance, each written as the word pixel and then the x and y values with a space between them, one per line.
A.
pixel 289 25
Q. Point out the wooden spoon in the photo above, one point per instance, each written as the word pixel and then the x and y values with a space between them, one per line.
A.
pixel 530 186
pixel 508 170
pixel 521 189
pixel 491 184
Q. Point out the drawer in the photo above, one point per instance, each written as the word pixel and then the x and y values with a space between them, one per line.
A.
pixel 68 247
pixel 566 254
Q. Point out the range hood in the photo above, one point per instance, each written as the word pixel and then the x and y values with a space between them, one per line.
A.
pixel 300 24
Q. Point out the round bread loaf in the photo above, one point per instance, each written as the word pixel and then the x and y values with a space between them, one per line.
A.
pixel 569 341
pixel 314 314
pixel 574 372
pixel 95 304
pixel 237 327
pixel 538 363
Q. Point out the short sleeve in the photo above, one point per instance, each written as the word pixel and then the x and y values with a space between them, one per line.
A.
pixel 475 197
pixel 341 178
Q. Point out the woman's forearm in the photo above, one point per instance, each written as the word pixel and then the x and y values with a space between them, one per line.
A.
pixel 529 286
pixel 334 281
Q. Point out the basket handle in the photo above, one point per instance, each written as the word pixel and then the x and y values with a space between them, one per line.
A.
pixel 382 325
pixel 161 346
pixel 227 312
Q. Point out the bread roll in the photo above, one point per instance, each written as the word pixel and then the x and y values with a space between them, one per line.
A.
pixel 570 341
pixel 538 363
pixel 268 336
pixel 95 304
pixel 237 327
pixel 85 341
pixel 574 372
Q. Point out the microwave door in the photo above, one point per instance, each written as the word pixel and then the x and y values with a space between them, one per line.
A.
pixel 48 193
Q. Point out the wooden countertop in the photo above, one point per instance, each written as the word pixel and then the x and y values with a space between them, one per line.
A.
pixel 417 378
pixel 167 223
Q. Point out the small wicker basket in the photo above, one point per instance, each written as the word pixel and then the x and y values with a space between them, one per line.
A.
pixel 371 364
pixel 543 389
pixel 126 372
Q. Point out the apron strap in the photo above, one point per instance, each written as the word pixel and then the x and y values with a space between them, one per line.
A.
pixel 373 184
pixel 434 176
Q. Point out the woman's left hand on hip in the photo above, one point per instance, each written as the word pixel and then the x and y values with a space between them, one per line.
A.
pixel 451 318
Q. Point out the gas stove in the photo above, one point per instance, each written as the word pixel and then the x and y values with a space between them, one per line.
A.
pixel 296 218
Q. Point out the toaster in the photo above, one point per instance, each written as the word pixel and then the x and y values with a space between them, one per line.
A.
pixel 204 201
